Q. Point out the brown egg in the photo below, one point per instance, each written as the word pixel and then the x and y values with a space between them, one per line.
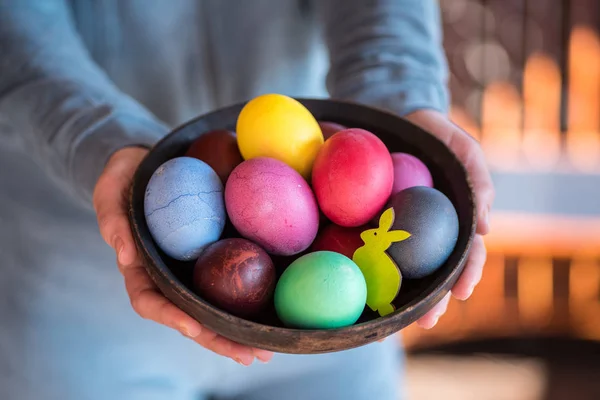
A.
pixel 235 275
pixel 219 149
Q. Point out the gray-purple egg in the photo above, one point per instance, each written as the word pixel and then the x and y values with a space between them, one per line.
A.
pixel 431 219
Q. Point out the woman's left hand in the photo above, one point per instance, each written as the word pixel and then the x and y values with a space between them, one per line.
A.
pixel 469 152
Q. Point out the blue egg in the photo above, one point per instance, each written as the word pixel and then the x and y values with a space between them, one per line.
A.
pixel 184 207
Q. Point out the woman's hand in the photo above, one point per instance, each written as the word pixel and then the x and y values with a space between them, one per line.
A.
pixel 111 202
pixel 469 152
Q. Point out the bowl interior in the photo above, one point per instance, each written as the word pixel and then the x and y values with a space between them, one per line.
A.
pixel 416 297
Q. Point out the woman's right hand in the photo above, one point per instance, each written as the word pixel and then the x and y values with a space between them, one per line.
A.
pixel 111 203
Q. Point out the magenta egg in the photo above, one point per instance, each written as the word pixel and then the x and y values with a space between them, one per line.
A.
pixel 270 204
pixel 409 171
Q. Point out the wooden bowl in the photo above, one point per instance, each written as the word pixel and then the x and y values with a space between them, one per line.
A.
pixel 416 297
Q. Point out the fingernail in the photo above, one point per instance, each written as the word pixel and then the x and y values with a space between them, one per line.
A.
pixel 119 247
pixel 470 292
pixel 190 330
pixel 246 361
pixel 263 355
pixel 435 321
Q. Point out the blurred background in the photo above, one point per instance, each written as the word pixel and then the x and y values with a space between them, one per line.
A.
pixel 525 82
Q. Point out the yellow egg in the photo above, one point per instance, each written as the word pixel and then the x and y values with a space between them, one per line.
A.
pixel 280 127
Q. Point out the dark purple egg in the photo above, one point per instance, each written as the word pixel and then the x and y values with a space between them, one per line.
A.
pixel 431 219
pixel 235 275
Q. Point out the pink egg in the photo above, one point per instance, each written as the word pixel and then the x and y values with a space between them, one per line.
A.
pixel 270 204
pixel 409 171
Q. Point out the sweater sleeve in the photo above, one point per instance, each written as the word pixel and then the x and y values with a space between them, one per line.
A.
pixel 386 53
pixel 71 115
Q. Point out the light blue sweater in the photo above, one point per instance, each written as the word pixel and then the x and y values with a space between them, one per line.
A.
pixel 80 79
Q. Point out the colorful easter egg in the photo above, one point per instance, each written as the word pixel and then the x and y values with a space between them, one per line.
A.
pixel 409 171
pixel 320 290
pixel 184 207
pixel 352 177
pixel 219 150
pixel 279 127
pixel 432 221
pixel 235 275
pixel 270 204
pixel 339 239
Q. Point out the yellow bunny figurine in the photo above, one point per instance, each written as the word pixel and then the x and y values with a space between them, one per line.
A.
pixel 381 273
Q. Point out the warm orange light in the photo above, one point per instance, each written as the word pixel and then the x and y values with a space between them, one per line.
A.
pixel 584 289
pixel 485 308
pixel 501 125
pixel 541 93
pixel 535 291
pixel 583 136
pixel 584 284
pixel 542 234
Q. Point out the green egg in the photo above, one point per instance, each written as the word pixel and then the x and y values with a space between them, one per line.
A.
pixel 321 290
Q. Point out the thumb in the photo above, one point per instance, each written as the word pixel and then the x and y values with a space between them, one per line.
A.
pixel 111 202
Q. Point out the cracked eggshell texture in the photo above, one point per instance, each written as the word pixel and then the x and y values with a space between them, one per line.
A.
pixel 270 204
pixel 184 207
pixel 352 177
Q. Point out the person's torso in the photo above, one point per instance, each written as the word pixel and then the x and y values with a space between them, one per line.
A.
pixel 178 58
pixel 187 57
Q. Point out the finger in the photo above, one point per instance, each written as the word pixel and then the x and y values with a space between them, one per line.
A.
pixel 263 355
pixel 469 152
pixel 473 271
pixel 151 304
pixel 239 353
pixel 111 201
pixel 114 227
pixel 430 319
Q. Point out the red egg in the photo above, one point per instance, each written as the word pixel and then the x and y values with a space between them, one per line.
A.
pixel 352 177
pixel 330 128
pixel 219 149
pixel 339 239
pixel 409 171
pixel 235 275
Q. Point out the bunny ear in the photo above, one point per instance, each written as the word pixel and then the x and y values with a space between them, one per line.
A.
pixel 387 219
pixel 398 236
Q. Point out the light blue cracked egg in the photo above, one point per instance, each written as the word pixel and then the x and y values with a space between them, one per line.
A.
pixel 184 207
